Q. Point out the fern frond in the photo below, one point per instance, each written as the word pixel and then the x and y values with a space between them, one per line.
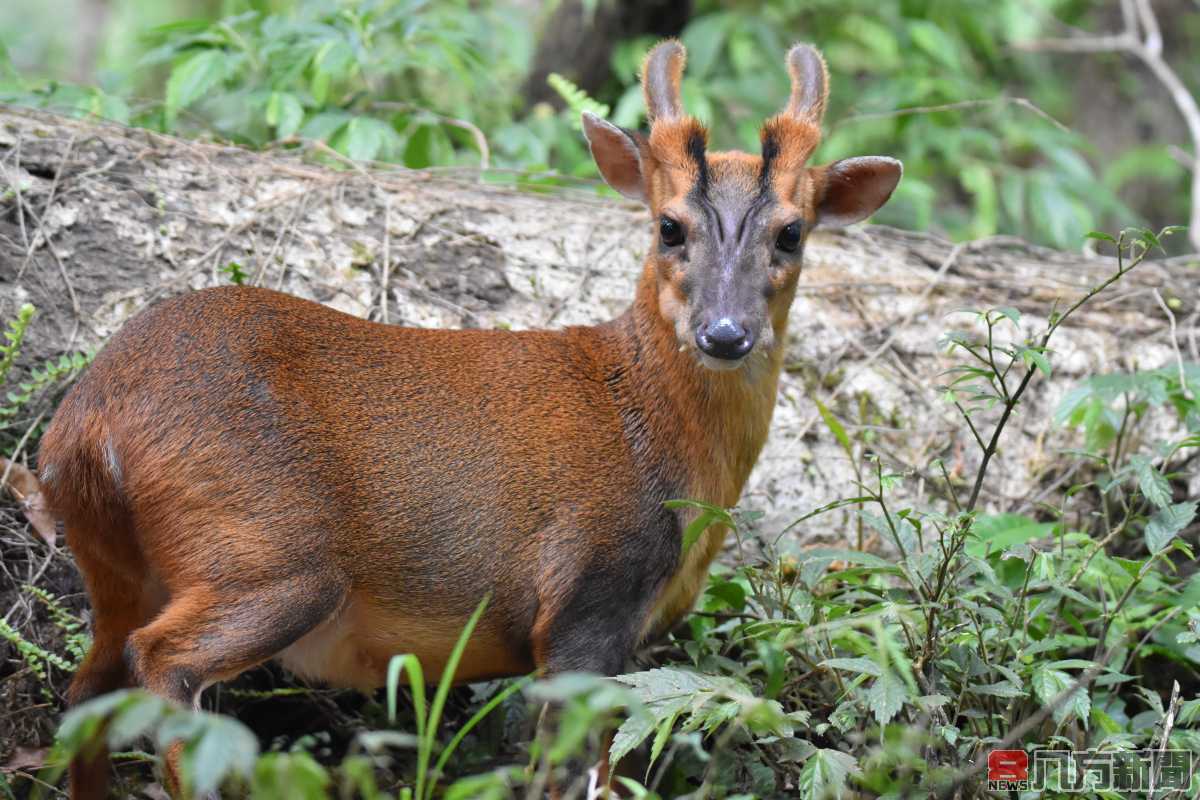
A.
pixel 577 99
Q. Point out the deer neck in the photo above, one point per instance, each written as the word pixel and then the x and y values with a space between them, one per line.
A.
pixel 715 422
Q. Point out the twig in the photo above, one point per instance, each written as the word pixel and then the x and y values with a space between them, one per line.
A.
pixel 481 142
pixel 1021 102
pixel 1175 343
pixel 385 269
pixel 1168 724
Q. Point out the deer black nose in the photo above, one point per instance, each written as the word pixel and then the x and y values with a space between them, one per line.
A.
pixel 724 339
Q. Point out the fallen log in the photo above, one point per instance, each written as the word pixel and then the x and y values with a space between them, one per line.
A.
pixel 97 220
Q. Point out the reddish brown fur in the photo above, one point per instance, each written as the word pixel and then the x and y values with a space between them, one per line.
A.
pixel 246 475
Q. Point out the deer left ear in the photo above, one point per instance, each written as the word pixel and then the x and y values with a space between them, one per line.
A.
pixel 853 189
pixel 617 154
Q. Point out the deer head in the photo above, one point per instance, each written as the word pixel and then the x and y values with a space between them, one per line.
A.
pixel 731 226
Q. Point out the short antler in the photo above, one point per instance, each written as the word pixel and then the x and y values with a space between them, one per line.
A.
pixel 809 84
pixel 661 75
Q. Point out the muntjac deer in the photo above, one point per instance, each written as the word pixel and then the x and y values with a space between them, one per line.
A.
pixel 244 475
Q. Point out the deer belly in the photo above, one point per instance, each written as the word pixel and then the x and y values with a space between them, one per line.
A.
pixel 353 647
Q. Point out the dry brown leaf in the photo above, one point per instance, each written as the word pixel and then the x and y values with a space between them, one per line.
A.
pixel 24 486
pixel 26 759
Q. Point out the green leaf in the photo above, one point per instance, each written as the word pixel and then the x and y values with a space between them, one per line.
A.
pixel 665 726
pixel 709 515
pixel 825 773
pixel 1000 689
pixel 864 666
pixel 1002 531
pixel 1152 483
pixel 425 747
pixel 192 78
pixel 696 528
pixel 361 139
pixel 633 732
pixel 886 697
pixel 1166 523
pixel 978 179
pixel 704 39
pixel 835 427
pixel 225 746
pixel 288 776
pixel 1048 684
pixel 1033 357
pixel 284 114
pixel 655 685
pixel 134 717
pixel 936 43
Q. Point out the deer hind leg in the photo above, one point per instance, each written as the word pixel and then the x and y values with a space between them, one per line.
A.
pixel 119 605
pixel 215 630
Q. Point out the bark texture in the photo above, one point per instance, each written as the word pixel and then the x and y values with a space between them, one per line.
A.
pixel 96 221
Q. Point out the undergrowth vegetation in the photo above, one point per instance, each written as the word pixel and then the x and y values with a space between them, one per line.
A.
pixel 806 672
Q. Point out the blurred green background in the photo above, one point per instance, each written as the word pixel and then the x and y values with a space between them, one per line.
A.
pixel 996 139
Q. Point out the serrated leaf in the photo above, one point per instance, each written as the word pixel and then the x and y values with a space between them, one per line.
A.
pixel 1009 313
pixel 999 689
pixel 695 528
pixel 632 733
pixel 661 736
pixel 824 774
pixel 1167 523
pixel 1153 484
pixel 1049 683
pixel 886 697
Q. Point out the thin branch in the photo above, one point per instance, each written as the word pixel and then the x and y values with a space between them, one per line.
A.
pixel 1021 102
pixel 1183 384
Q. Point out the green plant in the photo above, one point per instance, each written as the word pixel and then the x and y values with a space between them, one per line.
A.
pixel 77 640
pixel 427 719
pixel 382 79
pixel 986 632
pixel 52 374
pixel 34 656
pixel 14 336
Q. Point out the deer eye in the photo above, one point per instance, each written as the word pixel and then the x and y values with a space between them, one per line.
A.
pixel 789 238
pixel 670 231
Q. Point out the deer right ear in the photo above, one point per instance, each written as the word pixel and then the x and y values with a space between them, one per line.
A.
pixel 618 155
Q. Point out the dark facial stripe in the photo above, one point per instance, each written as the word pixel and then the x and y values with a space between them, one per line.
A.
pixel 699 193
pixel 696 151
pixel 770 150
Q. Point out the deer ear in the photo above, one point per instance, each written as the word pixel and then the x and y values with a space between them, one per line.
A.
pixel 855 188
pixel 617 154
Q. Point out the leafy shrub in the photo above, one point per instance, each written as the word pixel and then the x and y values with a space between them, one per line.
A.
pixel 382 79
